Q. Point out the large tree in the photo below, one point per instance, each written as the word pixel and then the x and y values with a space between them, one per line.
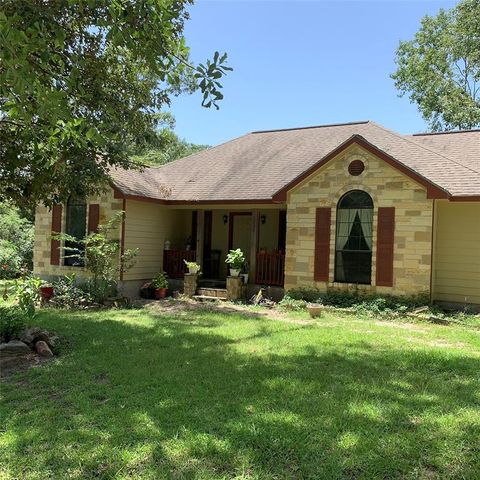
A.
pixel 440 68
pixel 165 146
pixel 83 80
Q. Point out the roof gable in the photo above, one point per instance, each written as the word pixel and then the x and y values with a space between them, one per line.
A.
pixel 258 166
pixel 433 190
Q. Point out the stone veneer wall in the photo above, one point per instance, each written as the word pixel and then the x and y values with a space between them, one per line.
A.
pixel 43 230
pixel 388 188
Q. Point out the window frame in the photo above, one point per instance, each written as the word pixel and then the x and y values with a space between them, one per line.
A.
pixel 74 202
pixel 367 205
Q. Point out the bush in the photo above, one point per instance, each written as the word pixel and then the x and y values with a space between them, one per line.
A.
pixel 68 294
pixel 12 321
pixel 10 260
pixel 16 239
pixel 102 256
pixel 357 300
pixel 291 304
pixel 308 294
pixel 27 292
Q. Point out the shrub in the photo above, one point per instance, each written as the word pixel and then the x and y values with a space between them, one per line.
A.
pixel 10 260
pixel 12 321
pixel 16 239
pixel 27 292
pixel 358 300
pixel 68 294
pixel 308 294
pixel 291 304
pixel 102 257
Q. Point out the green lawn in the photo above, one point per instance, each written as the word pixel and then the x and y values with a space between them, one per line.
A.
pixel 208 394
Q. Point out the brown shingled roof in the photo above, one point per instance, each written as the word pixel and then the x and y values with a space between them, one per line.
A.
pixel 256 166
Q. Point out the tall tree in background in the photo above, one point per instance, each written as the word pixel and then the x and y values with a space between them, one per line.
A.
pixel 165 146
pixel 440 68
pixel 83 80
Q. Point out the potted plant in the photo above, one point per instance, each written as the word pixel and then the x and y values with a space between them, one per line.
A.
pixel 46 291
pixel 192 267
pixel 160 284
pixel 236 260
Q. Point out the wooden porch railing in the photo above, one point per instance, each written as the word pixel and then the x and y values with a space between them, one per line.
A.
pixel 173 262
pixel 270 269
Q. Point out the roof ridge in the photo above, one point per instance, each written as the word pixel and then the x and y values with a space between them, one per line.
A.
pixel 425 134
pixel 359 122
pixel 431 150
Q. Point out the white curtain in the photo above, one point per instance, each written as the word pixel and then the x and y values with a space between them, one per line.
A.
pixel 366 219
pixel 345 218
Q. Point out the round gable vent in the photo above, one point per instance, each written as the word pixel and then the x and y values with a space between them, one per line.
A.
pixel 356 168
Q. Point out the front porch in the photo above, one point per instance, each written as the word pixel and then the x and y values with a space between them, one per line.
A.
pixel 259 233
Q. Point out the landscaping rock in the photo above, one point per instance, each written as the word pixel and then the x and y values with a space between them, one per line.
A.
pixel 49 338
pixel 42 349
pixel 29 335
pixel 438 320
pixel 14 347
pixel 32 335
pixel 425 308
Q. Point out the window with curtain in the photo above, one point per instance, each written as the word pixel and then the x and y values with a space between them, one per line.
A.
pixel 76 226
pixel 353 245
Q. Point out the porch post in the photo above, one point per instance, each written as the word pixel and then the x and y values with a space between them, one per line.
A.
pixel 254 244
pixel 200 235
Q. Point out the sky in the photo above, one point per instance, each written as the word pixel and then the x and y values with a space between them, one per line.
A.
pixel 300 63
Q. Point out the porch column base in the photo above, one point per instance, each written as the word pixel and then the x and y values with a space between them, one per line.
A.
pixel 190 283
pixel 236 289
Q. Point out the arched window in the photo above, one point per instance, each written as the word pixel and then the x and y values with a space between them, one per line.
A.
pixel 76 226
pixel 353 246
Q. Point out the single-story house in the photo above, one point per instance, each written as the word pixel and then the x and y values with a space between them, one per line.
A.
pixel 348 206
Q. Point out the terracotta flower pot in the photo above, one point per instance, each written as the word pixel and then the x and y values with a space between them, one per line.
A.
pixel 160 293
pixel 46 293
pixel 315 309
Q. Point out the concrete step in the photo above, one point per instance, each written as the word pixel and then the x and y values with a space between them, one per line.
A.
pixel 208 298
pixel 212 292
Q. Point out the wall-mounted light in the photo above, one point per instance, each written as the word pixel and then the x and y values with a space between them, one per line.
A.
pixel 263 219
pixel 225 219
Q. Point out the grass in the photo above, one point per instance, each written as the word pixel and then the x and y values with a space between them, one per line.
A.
pixel 210 394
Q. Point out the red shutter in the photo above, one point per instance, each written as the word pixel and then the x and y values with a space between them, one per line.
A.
pixel 322 244
pixel 93 217
pixel 385 241
pixel 56 228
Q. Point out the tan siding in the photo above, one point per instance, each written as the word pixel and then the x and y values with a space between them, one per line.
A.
pixel 147 226
pixel 457 252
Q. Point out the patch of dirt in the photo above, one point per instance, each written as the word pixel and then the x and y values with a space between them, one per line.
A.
pixel 13 364
pixel 182 307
